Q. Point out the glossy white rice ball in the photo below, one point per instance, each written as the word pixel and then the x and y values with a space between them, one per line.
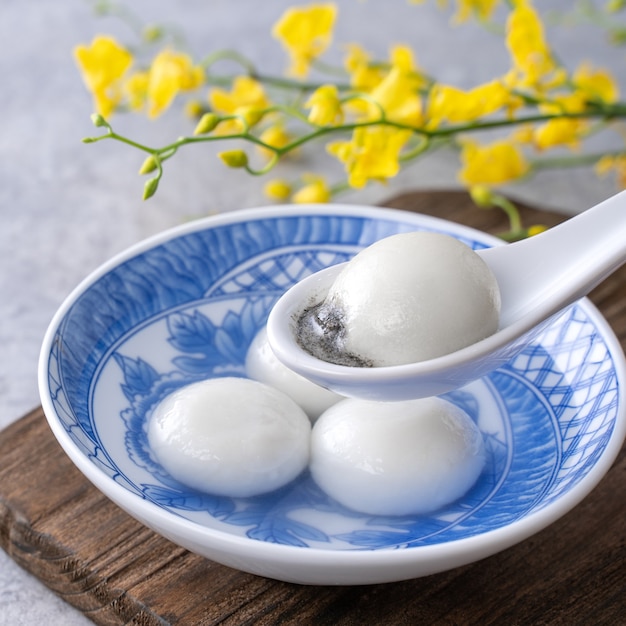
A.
pixel 413 296
pixel 230 436
pixel 262 365
pixel 396 458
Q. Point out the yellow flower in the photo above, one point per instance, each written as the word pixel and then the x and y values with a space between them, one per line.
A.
pixel 589 85
pixel 398 93
pixel 372 154
pixel 136 90
pixel 325 106
pixel 562 131
pixel 395 89
pixel 595 84
pixel 315 191
pixel 493 164
pixel 246 98
pixel 251 114
pixel 402 57
pixel 102 66
pixel 398 97
pixel 523 134
pixel 363 76
pixel 525 38
pixel 482 9
pixel 616 164
pixel 275 136
pixel 305 33
pixel 277 189
pixel 170 73
pixel 604 165
pixel 447 103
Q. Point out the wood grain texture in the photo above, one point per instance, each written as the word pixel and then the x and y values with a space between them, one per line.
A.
pixel 61 529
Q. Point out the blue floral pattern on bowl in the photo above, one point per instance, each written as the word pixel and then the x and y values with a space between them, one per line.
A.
pixel 188 308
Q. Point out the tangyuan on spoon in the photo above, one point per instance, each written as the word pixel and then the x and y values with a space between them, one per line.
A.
pixel 537 278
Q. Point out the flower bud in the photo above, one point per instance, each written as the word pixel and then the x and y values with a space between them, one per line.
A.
pixel 149 165
pixel 536 229
pixel 277 189
pixel 152 33
pixel 482 196
pixel 251 114
pixel 314 191
pixel 149 189
pixel 194 109
pixel 234 158
pixel 325 106
pixel 206 124
pixel 613 6
pixel 618 36
pixel 98 121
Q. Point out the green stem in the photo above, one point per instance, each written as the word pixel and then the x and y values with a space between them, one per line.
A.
pixel 582 160
pixel 114 9
pixel 266 168
pixel 513 235
pixel 339 188
pixel 228 55
pixel 288 83
pixel 426 139
pixel 327 68
pixel 422 146
pixel 225 80
pixel 327 130
pixel 250 69
pixel 515 222
pixel 609 113
pixel 318 132
pixel 155 152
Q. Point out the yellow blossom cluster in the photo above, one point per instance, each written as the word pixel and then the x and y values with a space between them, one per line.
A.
pixel 107 70
pixel 382 114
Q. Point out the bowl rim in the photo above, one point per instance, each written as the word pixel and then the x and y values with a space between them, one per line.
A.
pixel 467 548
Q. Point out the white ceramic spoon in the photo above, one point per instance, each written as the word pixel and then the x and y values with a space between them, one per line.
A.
pixel 538 277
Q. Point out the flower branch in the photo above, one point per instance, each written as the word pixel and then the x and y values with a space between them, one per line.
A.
pixel 375 115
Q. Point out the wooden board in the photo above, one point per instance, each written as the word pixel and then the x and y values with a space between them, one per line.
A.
pixel 61 529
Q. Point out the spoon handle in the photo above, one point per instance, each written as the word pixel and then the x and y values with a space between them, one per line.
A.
pixel 547 272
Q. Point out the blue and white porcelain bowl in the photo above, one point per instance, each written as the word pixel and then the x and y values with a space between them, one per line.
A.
pixel 185 305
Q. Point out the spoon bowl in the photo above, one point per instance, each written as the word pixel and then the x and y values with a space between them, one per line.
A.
pixel 538 278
